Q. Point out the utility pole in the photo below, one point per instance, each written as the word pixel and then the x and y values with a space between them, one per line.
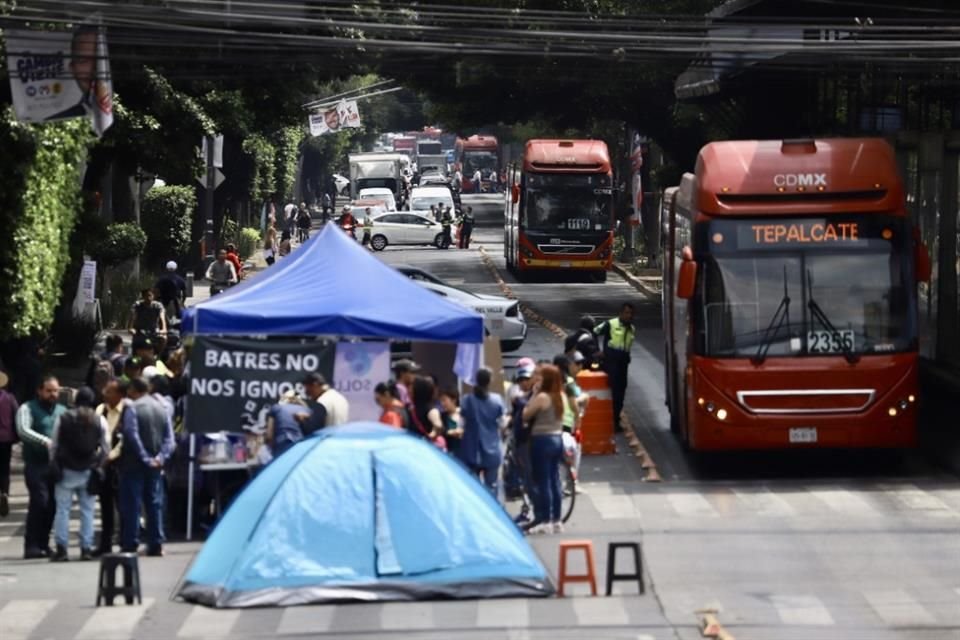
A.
pixel 211 186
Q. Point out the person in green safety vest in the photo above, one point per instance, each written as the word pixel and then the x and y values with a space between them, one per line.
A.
pixel 367 227
pixel 446 221
pixel 618 335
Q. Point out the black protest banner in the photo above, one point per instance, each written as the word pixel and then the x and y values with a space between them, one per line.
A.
pixel 234 381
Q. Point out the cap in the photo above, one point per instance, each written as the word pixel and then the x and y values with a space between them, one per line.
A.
pixel 577 357
pixel 149 372
pixel 526 362
pixel 405 365
pixel 141 342
pixel 525 373
pixel 171 266
pixel 346 207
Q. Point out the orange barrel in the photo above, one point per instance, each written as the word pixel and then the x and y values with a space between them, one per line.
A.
pixel 596 426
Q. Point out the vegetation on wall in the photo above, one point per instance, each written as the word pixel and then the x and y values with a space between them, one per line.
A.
pixel 166 216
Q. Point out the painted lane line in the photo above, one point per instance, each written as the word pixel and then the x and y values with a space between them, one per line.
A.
pixel 503 613
pixel 114 623
pixel 400 616
pixel 843 501
pixel 764 503
pixel 600 612
pixel 897 608
pixel 691 504
pixel 803 610
pixel 19 617
pixel 911 498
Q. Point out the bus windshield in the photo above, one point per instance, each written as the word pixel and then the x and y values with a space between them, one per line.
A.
pixel 485 161
pixel 806 298
pixel 568 202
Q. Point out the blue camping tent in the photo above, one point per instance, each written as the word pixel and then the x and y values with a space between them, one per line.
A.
pixel 363 512
pixel 333 286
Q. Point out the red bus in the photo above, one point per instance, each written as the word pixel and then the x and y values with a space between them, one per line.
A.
pixel 559 208
pixel 790 312
pixel 477 152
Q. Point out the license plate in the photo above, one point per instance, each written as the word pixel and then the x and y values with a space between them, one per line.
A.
pixel 565 264
pixel 803 435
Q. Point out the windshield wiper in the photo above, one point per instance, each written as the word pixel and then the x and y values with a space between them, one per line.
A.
pixel 781 315
pixel 817 311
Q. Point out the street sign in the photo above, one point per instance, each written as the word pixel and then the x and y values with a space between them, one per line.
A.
pixel 218 179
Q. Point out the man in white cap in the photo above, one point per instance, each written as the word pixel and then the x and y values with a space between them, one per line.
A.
pixel 172 289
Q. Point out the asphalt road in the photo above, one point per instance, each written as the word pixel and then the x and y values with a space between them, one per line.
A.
pixel 839 546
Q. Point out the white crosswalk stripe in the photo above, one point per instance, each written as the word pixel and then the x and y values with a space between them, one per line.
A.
pixel 911 498
pixel 306 620
pixel 802 610
pixel 691 504
pixel 113 623
pixel 204 622
pixel 398 616
pixel 502 613
pixel 764 503
pixel 612 507
pixel 897 608
pixel 843 501
pixel 19 617
pixel 600 612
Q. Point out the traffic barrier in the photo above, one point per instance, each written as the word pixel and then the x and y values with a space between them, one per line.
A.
pixel 596 426
pixel 589 577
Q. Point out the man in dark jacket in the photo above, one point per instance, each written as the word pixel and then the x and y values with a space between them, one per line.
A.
pixel 35 420
pixel 584 341
pixel 147 444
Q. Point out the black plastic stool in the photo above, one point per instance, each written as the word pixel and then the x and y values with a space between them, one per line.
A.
pixel 107 588
pixel 613 576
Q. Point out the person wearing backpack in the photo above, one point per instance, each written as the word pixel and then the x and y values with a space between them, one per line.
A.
pixel 78 447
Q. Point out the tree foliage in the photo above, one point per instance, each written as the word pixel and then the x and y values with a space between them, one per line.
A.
pixel 166 216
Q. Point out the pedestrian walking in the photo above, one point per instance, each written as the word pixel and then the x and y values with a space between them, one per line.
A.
pixel 78 447
pixel 618 334
pixel 147 444
pixel 544 415
pixel 467 230
pixel 35 420
pixel 477 181
pixel 269 244
pixel 483 415
pixel 326 207
pixel 8 436
pixel 222 274
pixel 111 409
pixel 283 426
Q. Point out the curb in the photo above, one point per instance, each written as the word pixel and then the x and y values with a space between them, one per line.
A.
pixel 549 325
pixel 635 282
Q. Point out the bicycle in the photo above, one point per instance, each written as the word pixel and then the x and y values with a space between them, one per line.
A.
pixel 517 499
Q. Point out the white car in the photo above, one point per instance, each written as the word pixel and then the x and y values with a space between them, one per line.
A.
pixel 380 193
pixel 404 227
pixel 422 197
pixel 501 316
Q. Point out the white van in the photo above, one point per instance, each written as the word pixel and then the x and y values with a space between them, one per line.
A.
pixel 380 193
pixel 422 197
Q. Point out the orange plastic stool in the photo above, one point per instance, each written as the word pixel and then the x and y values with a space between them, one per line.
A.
pixel 590 576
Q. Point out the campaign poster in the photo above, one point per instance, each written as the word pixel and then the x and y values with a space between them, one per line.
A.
pixel 344 115
pixel 235 381
pixel 359 367
pixel 57 75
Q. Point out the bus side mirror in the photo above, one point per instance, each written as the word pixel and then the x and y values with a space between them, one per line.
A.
pixel 687 278
pixel 515 193
pixel 921 257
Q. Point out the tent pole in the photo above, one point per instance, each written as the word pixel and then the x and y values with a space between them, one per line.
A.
pixel 193 447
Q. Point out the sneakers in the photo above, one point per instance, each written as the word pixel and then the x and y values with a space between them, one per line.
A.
pixel 539 529
pixel 60 555
pixel 4 505
pixel 557 527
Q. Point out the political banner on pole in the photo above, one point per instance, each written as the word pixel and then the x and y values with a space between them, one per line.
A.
pixel 56 75
pixel 359 367
pixel 345 115
pixel 235 381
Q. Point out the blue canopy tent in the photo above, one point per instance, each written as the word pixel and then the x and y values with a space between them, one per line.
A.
pixel 363 512
pixel 333 286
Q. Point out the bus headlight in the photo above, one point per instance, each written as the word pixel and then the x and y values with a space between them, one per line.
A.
pixel 721 414
pixel 892 412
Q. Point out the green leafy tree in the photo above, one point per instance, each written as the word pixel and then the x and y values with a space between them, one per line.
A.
pixel 166 215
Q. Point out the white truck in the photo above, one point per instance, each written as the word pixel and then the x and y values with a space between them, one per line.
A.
pixel 432 164
pixel 377 170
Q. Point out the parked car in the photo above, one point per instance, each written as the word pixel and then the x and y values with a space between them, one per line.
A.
pixel 405 228
pixel 501 316
pixel 380 193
